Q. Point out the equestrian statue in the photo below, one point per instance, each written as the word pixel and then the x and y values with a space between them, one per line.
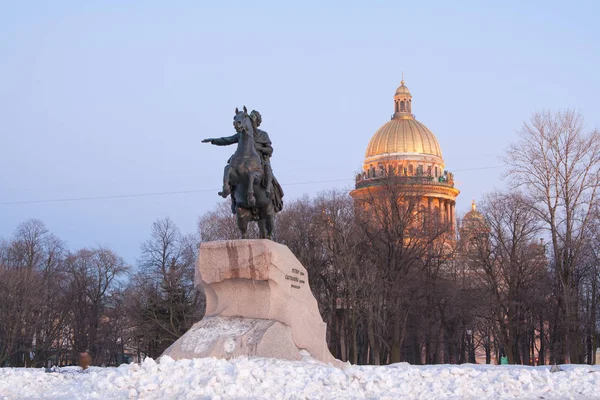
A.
pixel 248 178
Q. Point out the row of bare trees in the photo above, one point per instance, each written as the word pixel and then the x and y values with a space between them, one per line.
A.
pixel 383 274
pixel 55 304
pixel 556 163
pixel 508 273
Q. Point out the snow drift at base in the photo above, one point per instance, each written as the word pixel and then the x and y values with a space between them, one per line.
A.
pixel 259 378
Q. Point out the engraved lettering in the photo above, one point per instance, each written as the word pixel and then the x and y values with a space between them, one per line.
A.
pixel 291 278
pixel 295 287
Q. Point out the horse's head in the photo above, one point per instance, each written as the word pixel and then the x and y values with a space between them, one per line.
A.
pixel 242 122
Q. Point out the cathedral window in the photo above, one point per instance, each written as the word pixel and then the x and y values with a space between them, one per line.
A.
pixel 410 169
pixel 402 106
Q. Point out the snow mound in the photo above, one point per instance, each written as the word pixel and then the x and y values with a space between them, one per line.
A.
pixel 259 378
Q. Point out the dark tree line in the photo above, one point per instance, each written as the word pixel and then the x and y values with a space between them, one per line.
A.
pixel 556 163
pixel 55 304
pixel 382 275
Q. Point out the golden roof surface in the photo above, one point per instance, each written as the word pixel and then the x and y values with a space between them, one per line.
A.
pixel 473 216
pixel 403 135
pixel 402 89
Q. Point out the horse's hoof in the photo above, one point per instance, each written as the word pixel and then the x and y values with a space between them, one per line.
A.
pixel 224 194
pixel 251 201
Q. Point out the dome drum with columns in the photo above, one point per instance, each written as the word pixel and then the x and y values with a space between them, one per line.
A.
pixel 407 150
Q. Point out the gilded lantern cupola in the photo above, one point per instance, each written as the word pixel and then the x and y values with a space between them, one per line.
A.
pixel 402 102
pixel 473 225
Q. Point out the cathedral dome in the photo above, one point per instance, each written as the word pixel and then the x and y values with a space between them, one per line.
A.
pixel 404 152
pixel 474 220
pixel 402 90
pixel 403 135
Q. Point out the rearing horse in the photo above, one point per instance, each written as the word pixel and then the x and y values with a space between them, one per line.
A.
pixel 245 177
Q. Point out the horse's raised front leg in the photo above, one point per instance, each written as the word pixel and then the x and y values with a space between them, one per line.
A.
pixel 226 190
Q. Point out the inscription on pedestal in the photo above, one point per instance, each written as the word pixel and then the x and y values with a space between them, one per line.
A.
pixel 295 278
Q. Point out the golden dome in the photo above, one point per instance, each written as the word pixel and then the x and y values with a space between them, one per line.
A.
pixel 473 215
pixel 474 221
pixel 402 89
pixel 403 135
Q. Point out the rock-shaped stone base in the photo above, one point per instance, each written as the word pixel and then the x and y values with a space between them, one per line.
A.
pixel 227 337
pixel 258 302
pixel 262 279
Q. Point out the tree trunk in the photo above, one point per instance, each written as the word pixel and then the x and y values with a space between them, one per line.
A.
pixel 374 349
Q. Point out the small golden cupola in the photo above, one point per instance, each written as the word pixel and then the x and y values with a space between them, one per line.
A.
pixel 403 102
pixel 473 225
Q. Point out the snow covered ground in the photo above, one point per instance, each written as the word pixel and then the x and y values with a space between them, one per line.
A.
pixel 261 378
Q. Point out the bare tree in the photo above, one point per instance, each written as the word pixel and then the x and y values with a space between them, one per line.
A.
pixel 589 290
pixel 322 233
pixel 163 303
pixel 557 163
pixel 93 277
pixel 18 288
pixel 343 299
pixel 34 277
pixel 508 262
pixel 405 242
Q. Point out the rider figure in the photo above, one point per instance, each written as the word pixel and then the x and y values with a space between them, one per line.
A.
pixel 263 147
pixel 262 143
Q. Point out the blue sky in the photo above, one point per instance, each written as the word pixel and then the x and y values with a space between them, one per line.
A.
pixel 109 98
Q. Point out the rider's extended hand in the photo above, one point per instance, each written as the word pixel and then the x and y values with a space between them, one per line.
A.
pixel 207 140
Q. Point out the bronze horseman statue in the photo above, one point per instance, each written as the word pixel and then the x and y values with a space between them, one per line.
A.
pixel 255 193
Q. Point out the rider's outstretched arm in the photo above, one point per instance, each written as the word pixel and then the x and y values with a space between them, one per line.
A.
pixel 224 141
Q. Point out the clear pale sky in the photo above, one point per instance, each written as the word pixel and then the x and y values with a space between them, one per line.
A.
pixel 113 98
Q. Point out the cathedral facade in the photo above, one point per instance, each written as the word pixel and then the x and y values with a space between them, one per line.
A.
pixel 405 150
